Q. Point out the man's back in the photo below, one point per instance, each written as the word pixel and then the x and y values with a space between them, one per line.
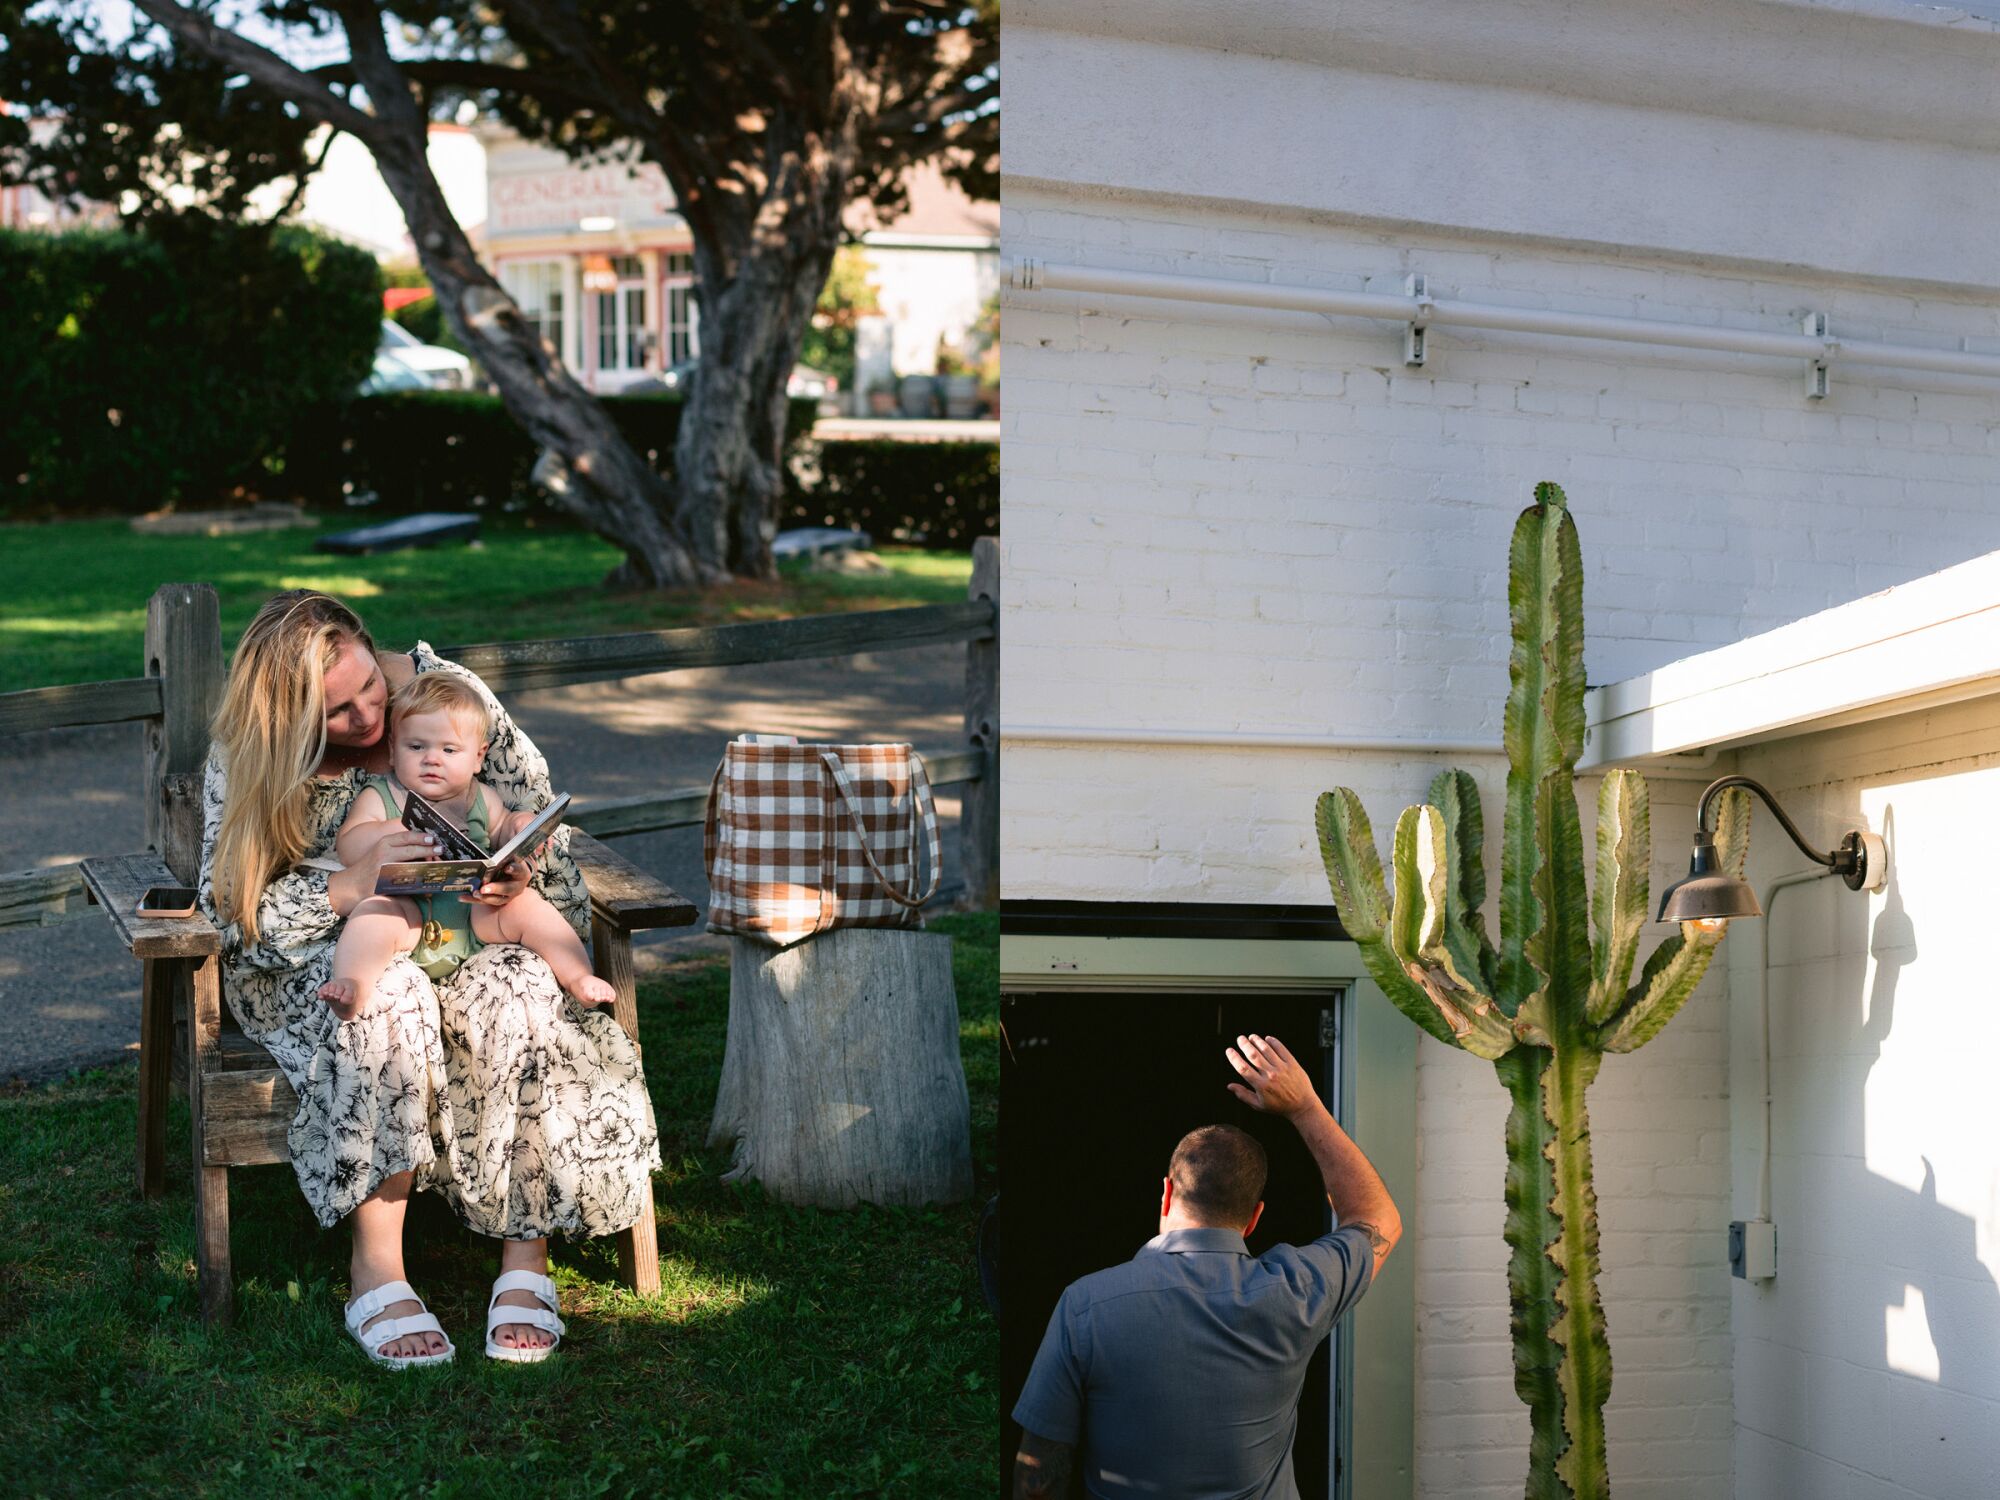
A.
pixel 1178 1372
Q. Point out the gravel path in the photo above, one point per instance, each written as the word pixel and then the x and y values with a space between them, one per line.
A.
pixel 69 996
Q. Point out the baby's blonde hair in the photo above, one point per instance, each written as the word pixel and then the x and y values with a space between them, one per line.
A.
pixel 441 692
pixel 271 730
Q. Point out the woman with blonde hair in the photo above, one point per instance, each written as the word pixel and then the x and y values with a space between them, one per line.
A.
pixel 525 1110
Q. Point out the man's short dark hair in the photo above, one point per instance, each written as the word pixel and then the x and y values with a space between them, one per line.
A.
pixel 1218 1174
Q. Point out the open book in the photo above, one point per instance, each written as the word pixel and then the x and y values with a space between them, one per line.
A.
pixel 462 865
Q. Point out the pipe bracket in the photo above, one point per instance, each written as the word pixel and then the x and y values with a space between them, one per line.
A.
pixel 1816 377
pixel 1415 332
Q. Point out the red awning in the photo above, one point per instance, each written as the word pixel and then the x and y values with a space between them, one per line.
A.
pixel 402 296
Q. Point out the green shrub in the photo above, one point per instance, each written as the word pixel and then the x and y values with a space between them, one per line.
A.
pixel 942 495
pixel 137 370
pixel 454 450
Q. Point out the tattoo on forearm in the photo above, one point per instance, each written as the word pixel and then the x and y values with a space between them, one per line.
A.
pixel 1041 1468
pixel 1377 1240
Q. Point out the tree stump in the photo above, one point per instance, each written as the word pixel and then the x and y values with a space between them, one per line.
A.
pixel 841 1080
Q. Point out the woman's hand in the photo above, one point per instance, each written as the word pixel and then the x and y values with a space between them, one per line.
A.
pixel 512 880
pixel 355 884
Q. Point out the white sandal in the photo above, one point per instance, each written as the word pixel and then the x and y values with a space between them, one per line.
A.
pixel 371 1340
pixel 544 1317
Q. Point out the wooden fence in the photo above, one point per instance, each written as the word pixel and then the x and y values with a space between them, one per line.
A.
pixel 182 687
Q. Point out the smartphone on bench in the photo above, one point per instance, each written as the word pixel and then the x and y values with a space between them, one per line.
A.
pixel 167 901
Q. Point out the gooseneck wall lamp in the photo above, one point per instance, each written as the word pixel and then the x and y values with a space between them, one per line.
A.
pixel 1712 896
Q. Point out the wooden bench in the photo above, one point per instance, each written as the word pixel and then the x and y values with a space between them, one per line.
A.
pixel 241 1104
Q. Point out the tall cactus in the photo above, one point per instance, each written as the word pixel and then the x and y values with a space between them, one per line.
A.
pixel 1553 996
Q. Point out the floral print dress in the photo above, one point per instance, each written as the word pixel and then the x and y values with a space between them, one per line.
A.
pixel 526 1110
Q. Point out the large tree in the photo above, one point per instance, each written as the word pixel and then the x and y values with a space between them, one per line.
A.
pixel 767 118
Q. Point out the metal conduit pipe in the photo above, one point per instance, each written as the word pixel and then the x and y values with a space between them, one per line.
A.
pixel 1028 275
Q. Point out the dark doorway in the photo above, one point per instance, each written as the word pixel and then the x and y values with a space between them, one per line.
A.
pixel 1095 1091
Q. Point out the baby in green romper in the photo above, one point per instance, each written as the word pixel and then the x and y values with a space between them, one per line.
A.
pixel 438 726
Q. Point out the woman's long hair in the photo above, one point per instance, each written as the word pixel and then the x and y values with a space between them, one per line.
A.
pixel 271 730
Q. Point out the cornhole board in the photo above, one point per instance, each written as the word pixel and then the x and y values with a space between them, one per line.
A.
pixel 426 530
pixel 811 541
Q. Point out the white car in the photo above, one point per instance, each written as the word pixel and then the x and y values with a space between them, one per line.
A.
pixel 441 368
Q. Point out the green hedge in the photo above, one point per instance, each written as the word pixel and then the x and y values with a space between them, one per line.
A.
pixel 141 369
pixel 455 450
pixel 942 495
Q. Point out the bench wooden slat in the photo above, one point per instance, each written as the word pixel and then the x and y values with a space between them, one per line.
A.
pixel 116 883
pixel 625 895
pixel 245 1116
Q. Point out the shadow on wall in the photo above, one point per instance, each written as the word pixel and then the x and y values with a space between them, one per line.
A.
pixel 1939 1318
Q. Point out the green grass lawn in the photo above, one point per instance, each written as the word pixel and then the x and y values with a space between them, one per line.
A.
pixel 73 593
pixel 791 1352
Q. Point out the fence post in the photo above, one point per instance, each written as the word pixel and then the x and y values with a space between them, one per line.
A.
pixel 979 816
pixel 183 650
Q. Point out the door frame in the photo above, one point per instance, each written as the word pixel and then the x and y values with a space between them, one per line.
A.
pixel 1043 949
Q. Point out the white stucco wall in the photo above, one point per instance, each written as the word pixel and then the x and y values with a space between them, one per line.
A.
pixel 1224 520
pixel 1871 1365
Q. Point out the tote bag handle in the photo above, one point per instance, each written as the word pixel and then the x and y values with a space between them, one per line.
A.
pixel 920 792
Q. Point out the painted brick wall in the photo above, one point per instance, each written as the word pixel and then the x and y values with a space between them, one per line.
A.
pixel 1219 520
pixel 1871 1365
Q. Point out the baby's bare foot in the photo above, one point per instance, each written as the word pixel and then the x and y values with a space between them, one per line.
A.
pixel 590 990
pixel 346 998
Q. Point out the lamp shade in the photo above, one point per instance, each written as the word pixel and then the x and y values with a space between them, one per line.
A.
pixel 1707 894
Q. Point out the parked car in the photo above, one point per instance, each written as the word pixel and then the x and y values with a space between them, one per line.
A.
pixel 391 373
pixel 442 368
pixel 803 381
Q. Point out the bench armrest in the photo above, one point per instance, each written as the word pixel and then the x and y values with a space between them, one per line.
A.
pixel 623 894
pixel 117 881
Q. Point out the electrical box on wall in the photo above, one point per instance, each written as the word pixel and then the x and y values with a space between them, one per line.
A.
pixel 1753 1249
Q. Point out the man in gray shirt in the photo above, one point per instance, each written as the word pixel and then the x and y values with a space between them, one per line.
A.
pixel 1178 1373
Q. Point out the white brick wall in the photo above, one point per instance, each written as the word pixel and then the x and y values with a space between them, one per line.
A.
pixel 1220 519
pixel 1871 1365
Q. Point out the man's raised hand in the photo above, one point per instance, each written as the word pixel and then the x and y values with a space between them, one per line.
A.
pixel 1276 1083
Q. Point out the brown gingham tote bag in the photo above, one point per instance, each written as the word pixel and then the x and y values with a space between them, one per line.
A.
pixel 801 839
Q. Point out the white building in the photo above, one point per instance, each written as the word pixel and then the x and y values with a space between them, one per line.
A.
pixel 599 258
pixel 1252 553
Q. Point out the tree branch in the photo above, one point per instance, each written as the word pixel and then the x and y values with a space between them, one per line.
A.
pixel 265 66
pixel 299 185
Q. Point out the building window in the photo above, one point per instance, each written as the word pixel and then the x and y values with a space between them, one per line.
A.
pixel 537 288
pixel 621 318
pixel 678 280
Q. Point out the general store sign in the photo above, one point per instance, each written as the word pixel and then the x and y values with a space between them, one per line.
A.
pixel 556 200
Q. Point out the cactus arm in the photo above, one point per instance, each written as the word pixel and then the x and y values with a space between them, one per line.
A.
pixel 1419 991
pixel 1416 913
pixel 1354 871
pixel 1543 727
pixel 1417 928
pixel 1677 965
pixel 1456 797
pixel 1618 903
